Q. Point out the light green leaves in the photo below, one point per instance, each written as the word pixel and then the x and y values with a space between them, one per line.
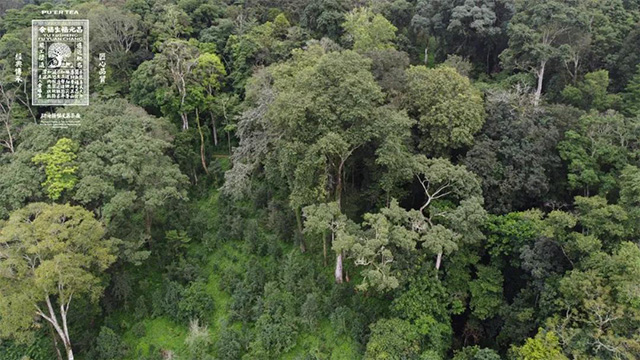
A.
pixel 544 346
pixel 56 251
pixel 368 31
pixel 59 162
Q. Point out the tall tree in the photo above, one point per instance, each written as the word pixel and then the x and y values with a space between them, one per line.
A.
pixel 261 45
pixel 209 73
pixel 451 211
pixel 51 255
pixel 181 60
pixel 125 167
pixel 376 244
pixel 309 116
pixel 537 33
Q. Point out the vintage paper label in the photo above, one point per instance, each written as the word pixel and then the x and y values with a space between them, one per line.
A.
pixel 60 62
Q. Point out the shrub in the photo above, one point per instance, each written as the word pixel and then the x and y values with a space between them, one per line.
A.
pixel 166 300
pixel 139 330
pixel 109 346
pixel 274 335
pixel 310 310
pixel 196 303
pixel 141 311
pixel 230 344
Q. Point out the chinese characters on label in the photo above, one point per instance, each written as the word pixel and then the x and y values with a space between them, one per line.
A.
pixel 60 120
pixel 18 68
pixel 60 62
pixel 102 57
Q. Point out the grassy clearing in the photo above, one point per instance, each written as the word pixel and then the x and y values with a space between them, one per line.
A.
pixel 324 344
pixel 161 334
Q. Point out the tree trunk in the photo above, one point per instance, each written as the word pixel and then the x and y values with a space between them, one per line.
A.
pixel 185 121
pixel 202 157
pixel 540 74
pixel 10 141
pixel 324 247
pixel 62 331
pixel 338 195
pixel 147 226
pixel 338 273
pixel 426 53
pixel 70 353
pixel 55 342
pixel 214 130
pixel 438 261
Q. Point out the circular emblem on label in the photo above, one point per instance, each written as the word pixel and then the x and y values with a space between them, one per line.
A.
pixel 57 53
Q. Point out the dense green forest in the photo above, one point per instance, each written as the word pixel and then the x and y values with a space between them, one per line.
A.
pixel 327 179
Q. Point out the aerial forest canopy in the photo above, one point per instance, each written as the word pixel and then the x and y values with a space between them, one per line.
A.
pixel 326 179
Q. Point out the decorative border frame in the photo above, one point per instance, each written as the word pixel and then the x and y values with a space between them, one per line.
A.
pixel 34 62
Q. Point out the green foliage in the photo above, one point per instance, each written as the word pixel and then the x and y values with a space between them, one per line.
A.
pixel 230 344
pixel 310 310
pixel 18 182
pixel 507 233
pixel 148 83
pixel 425 305
pixel 386 232
pixel 597 150
pixel 59 163
pixel 109 346
pixel 630 186
pixel 486 292
pixel 139 330
pixel 544 346
pixel 631 97
pixel 448 108
pixel 393 339
pixel 195 303
pixel 451 193
pixel 607 222
pixel 274 336
pixel 51 253
pixel 38 349
pixel 165 300
pixel 263 45
pixel 338 140
pixel 324 18
pixel 125 172
pixel 540 32
pixel 476 353
pixel 599 296
pixel 457 22
pixel 368 31
pixel 591 93
pixel 515 152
